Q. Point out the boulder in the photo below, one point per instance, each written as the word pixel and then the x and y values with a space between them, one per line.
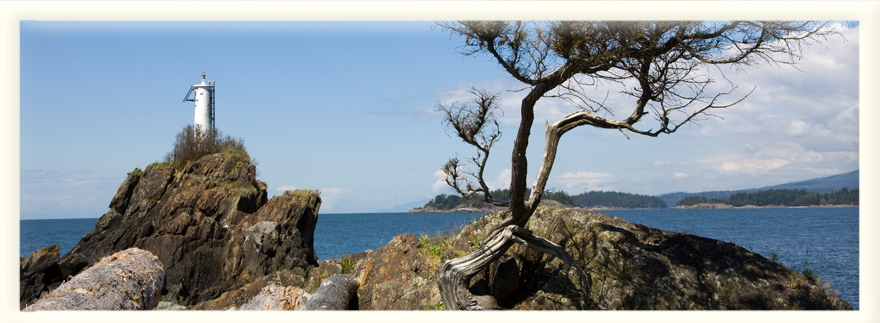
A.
pixel 210 224
pixel 127 280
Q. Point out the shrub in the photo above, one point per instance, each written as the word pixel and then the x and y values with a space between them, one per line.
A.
pixel 810 276
pixel 193 143
pixel 347 265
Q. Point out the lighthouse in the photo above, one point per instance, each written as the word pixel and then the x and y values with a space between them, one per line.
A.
pixel 204 101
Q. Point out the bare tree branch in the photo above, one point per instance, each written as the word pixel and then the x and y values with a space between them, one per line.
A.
pixel 476 123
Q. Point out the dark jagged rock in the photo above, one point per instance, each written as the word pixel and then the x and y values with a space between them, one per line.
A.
pixel 620 266
pixel 127 280
pixel 39 274
pixel 210 225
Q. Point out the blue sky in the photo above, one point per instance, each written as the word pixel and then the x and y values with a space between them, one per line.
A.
pixel 347 108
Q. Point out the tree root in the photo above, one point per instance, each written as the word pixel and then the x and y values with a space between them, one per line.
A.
pixel 455 274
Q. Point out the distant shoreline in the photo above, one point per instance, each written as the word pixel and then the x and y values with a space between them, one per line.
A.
pixel 728 206
pixel 455 210
pixel 600 209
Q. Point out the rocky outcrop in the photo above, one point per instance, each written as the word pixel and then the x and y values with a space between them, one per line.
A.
pixel 619 266
pixel 622 265
pixel 39 273
pixel 127 280
pixel 209 224
pixel 397 276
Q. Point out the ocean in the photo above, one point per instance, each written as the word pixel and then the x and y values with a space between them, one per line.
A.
pixel 825 240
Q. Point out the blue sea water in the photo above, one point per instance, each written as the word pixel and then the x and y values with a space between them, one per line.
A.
pixel 66 233
pixel 825 240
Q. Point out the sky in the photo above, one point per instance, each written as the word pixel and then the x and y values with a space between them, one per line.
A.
pixel 348 108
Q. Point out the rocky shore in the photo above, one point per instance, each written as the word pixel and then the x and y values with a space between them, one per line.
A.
pixel 219 244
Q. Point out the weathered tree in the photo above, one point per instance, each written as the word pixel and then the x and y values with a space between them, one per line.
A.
pixel 662 66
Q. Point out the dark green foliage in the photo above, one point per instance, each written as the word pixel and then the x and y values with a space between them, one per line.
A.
pixel 812 277
pixel 782 197
pixel 818 185
pixel 675 198
pixel 347 265
pixel 795 198
pixel 618 200
pixel 586 199
pixel 560 196
pixel 448 202
pixel 693 200
pixel 191 144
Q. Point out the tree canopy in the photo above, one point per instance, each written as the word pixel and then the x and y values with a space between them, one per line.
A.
pixel 660 65
pixel 785 197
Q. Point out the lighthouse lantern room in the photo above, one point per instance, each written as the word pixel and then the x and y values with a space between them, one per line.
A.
pixel 204 101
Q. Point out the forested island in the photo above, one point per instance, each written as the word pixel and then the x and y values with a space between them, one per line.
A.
pixel 620 200
pixel 784 197
pixel 590 200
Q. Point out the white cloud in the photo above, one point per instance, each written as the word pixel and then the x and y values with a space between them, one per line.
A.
pixel 501 182
pixel 679 175
pixel 440 183
pixel 329 195
pixel 578 182
pixel 764 157
pixel 286 188
pixel 584 175
pixel 547 109
pixel 662 162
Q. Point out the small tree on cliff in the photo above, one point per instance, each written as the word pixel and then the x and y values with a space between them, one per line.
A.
pixel 661 65
pixel 191 143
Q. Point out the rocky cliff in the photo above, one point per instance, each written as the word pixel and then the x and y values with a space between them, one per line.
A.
pixel 209 224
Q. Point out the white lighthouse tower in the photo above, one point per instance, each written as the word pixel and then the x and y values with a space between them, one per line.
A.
pixel 204 100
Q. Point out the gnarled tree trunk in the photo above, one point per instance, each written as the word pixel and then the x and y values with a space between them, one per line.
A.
pixel 455 274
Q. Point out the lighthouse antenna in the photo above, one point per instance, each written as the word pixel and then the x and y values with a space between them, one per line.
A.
pixel 212 104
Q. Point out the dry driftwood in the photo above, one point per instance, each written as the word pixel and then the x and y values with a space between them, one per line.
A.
pixel 274 298
pixel 127 280
pixel 335 293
